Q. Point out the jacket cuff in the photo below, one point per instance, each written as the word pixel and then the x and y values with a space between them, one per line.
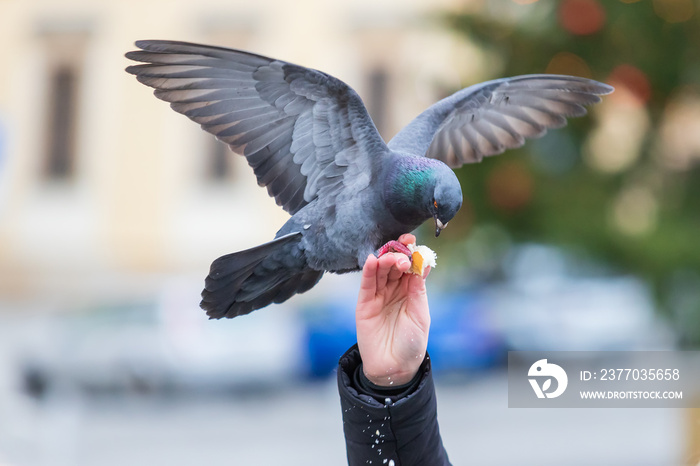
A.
pixel 402 428
pixel 363 385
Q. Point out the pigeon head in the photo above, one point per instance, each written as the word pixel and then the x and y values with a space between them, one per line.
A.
pixel 447 197
pixel 419 188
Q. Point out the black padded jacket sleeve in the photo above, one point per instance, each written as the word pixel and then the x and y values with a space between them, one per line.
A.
pixel 384 427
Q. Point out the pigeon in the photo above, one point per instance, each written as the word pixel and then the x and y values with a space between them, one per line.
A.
pixel 311 142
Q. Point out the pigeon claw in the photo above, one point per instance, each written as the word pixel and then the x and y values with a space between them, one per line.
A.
pixel 393 246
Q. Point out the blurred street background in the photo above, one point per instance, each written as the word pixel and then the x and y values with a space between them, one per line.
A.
pixel 112 207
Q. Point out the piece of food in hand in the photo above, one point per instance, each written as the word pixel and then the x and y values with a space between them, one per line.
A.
pixel 421 257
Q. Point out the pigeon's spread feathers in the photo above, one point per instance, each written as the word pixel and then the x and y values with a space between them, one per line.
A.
pixel 311 143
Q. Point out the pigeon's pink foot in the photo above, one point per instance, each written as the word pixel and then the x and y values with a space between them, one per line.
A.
pixel 393 246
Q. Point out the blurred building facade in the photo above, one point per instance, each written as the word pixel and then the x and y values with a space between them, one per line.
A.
pixel 104 190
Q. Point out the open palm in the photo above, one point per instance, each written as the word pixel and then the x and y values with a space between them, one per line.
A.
pixel 392 319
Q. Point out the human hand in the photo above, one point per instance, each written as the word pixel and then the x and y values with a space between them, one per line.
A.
pixel 392 318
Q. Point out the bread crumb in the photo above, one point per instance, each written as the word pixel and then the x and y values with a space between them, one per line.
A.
pixel 421 257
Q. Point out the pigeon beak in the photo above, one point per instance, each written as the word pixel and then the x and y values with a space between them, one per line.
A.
pixel 439 226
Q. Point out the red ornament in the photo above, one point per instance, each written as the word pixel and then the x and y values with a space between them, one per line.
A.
pixel 581 17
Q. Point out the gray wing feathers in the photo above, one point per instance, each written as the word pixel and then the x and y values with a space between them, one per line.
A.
pixel 293 125
pixel 488 118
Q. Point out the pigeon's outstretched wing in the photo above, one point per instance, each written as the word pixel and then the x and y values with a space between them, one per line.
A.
pixel 488 118
pixel 302 131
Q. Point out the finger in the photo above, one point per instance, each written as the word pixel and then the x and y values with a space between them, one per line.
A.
pixel 384 265
pixel 426 272
pixel 407 238
pixel 404 263
pixel 368 283
pixel 400 267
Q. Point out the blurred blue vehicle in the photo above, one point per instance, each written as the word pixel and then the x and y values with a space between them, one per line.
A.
pixel 462 337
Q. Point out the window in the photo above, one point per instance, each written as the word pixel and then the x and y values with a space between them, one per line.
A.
pixel 64 57
pixel 234 32
pixel 377 99
pixel 220 166
pixel 60 157
pixel 378 41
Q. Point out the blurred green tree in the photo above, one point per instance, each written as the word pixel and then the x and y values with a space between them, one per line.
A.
pixel 624 185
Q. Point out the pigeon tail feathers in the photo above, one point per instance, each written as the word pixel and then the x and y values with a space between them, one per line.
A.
pixel 244 281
